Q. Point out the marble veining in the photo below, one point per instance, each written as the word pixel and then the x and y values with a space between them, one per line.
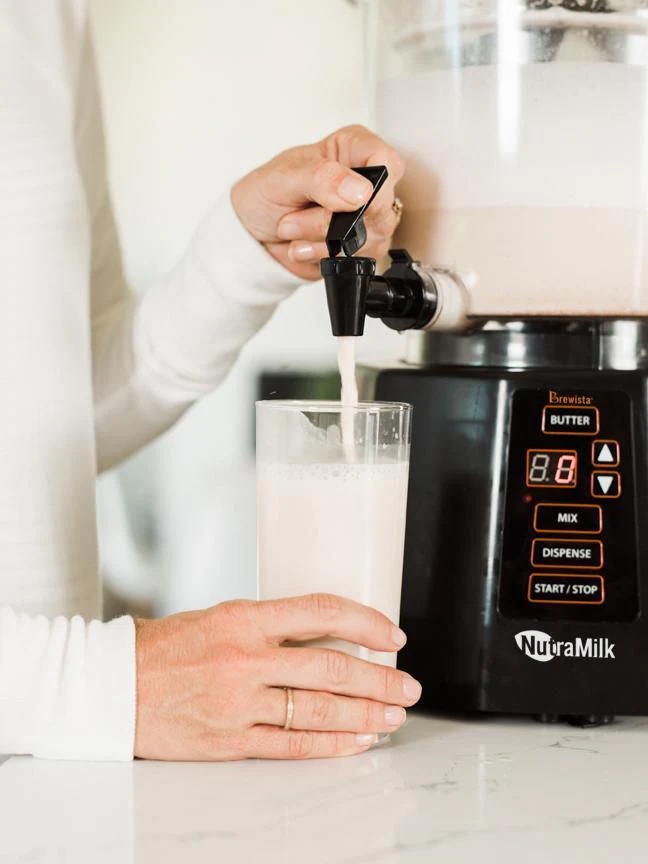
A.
pixel 445 790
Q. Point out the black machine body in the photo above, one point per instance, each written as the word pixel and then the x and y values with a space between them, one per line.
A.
pixel 526 553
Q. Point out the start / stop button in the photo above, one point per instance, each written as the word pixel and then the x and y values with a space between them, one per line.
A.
pixel 558 588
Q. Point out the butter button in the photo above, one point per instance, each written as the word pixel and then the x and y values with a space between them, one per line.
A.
pixel 570 421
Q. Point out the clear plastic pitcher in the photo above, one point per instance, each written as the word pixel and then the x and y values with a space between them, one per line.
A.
pixel 524 126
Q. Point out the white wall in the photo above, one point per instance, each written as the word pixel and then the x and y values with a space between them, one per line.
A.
pixel 195 94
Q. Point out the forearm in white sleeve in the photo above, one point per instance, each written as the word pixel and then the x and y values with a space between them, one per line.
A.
pixel 152 360
pixel 67 687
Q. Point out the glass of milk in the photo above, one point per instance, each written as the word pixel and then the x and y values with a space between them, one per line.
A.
pixel 331 503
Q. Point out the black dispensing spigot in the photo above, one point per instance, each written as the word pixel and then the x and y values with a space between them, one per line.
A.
pixel 347 278
pixel 347 285
pixel 404 297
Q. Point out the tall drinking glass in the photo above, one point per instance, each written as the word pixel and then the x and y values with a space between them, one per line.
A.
pixel 331 502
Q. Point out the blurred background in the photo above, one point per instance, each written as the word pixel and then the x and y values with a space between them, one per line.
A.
pixel 195 94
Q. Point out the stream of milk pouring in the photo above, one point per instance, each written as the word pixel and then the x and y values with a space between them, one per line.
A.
pixel 349 394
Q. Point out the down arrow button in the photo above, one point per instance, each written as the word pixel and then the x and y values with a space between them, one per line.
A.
pixel 606 484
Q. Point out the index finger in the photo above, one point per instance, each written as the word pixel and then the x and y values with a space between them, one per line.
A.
pixel 314 615
pixel 357 145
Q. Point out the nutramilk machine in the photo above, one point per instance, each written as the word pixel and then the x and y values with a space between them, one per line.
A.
pixel 521 285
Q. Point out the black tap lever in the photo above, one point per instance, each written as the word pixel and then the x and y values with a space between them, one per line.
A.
pixel 347 232
pixel 408 296
pixel 403 298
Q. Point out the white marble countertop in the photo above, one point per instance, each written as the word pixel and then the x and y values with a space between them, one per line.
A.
pixel 490 790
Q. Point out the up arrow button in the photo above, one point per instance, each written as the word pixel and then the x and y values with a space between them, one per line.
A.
pixel 606 484
pixel 606 453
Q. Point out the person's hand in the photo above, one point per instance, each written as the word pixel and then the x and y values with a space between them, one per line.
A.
pixel 209 684
pixel 286 204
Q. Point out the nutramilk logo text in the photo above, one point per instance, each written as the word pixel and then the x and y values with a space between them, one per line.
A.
pixel 542 647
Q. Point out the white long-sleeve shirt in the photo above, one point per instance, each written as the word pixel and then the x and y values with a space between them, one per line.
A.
pixel 87 375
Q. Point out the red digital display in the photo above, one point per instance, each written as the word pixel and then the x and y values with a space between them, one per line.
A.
pixel 552 468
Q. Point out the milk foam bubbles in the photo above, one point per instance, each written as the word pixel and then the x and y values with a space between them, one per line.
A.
pixel 334 527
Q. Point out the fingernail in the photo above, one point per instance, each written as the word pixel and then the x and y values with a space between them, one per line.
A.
pixel 354 189
pixel 289 230
pixel 411 687
pixel 395 715
pixel 398 637
pixel 366 740
pixel 302 252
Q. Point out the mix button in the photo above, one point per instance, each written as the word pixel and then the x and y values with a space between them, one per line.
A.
pixel 568 518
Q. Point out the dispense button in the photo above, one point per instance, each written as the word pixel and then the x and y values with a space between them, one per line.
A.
pixel 570 421
pixel 606 484
pixel 568 518
pixel 550 588
pixel 606 454
pixel 572 554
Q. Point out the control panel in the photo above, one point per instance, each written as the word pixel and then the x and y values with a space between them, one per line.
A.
pixel 569 548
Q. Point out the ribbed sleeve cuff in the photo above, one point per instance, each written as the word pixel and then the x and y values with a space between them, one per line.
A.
pixel 67 687
pixel 94 715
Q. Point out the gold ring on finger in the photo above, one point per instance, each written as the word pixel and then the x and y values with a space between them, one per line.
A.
pixel 398 207
pixel 290 708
